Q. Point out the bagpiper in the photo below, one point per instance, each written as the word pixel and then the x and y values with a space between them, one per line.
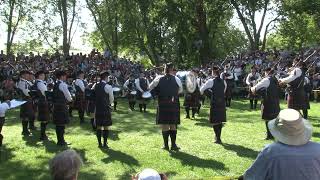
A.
pixel 27 112
pixel 229 77
pixel 80 101
pixel 42 103
pixel 113 82
pixel 295 86
pixel 217 88
pixel 268 88
pixel 61 97
pixel 104 99
pixel 167 88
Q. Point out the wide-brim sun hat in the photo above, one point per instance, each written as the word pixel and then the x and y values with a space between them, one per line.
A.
pixel 290 128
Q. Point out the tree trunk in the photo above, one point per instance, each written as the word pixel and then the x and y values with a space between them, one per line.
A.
pixel 203 31
pixel 9 33
pixel 65 45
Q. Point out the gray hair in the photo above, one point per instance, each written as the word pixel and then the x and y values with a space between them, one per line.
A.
pixel 65 165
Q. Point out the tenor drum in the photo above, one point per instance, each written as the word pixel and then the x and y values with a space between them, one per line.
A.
pixel 116 91
pixel 146 95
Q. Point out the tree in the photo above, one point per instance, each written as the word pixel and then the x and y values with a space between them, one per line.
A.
pixel 14 13
pixel 247 10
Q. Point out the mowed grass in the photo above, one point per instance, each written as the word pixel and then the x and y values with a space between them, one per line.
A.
pixel 135 144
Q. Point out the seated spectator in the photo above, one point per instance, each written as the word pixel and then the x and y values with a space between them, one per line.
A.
pixel 149 174
pixel 65 165
pixel 293 156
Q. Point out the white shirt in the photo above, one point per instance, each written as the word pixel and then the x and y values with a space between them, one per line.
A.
pixel 108 89
pixel 248 82
pixel 156 81
pixel 125 85
pixel 23 85
pixel 137 83
pixel 64 88
pixel 264 83
pixel 80 84
pixel 209 85
pixel 292 76
pixel 227 77
pixel 3 108
pixel 42 87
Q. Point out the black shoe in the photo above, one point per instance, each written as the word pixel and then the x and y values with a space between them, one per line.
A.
pixel 218 141
pixel 106 146
pixel 187 117
pixel 63 143
pixel 175 148
pixel 269 138
pixel 26 133
pixel 165 148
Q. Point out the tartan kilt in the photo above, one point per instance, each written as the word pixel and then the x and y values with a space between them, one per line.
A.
pixel 268 114
pixel 103 117
pixel 192 100
pixel 168 112
pixel 60 114
pixel 43 111
pixel 90 107
pixel 252 95
pixel 230 86
pixel 80 102
pixel 217 115
pixel 27 110
pixel 297 100
pixel 131 98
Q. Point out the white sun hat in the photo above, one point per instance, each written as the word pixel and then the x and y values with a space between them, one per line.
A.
pixel 290 128
pixel 149 174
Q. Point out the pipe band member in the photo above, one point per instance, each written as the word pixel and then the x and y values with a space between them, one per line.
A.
pixel 218 105
pixel 167 87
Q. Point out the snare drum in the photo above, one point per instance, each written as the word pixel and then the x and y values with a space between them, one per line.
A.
pixel 146 95
pixel 133 92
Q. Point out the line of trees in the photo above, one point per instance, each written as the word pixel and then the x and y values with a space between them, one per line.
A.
pixel 189 32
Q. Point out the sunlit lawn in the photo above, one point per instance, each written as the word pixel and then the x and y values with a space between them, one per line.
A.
pixel 135 145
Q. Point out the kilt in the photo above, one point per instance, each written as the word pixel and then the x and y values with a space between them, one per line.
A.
pixel 230 86
pixel 27 110
pixel 217 115
pixel 60 114
pixel 80 102
pixel 103 117
pixel 140 99
pixel 192 100
pixel 252 95
pixel 307 100
pixel 43 111
pixel 168 111
pixel 131 98
pixel 90 107
pixel 268 114
pixel 297 100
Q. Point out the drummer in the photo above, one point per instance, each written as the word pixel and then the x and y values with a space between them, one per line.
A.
pixel 142 84
pixel 113 81
pixel 130 86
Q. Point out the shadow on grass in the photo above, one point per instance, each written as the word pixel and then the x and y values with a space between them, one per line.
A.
pixel 5 154
pixel 127 175
pixel 194 161
pixel 114 155
pixel 92 175
pixel 241 151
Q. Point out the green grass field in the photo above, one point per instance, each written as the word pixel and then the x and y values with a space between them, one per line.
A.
pixel 135 145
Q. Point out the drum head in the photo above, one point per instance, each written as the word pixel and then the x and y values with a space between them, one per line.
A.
pixel 146 95
pixel 116 89
pixel 133 92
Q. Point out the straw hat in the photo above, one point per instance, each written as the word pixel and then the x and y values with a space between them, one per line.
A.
pixel 290 128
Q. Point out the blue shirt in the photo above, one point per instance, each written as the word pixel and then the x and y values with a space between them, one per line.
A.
pixel 284 162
